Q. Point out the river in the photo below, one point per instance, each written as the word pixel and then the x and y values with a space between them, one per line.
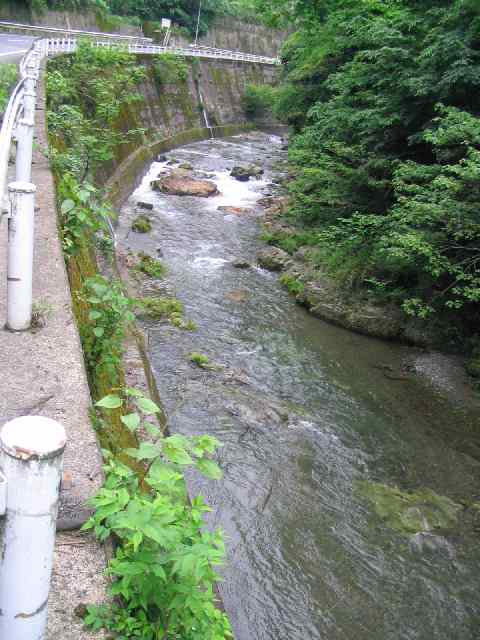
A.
pixel 308 416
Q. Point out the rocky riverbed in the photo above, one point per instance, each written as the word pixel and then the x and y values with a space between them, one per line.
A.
pixel 350 497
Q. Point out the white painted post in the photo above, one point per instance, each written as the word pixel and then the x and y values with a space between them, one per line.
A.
pixel 20 256
pixel 31 459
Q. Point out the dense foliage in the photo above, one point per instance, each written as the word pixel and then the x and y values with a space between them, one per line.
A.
pixel 164 563
pixel 8 76
pixel 384 99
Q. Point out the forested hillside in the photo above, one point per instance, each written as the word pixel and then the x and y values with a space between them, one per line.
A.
pixel 183 12
pixel 384 99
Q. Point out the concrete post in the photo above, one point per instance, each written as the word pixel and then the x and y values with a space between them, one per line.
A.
pixel 20 256
pixel 31 459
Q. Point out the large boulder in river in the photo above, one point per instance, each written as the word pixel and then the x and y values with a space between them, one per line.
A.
pixel 184 185
pixel 274 259
pixel 243 174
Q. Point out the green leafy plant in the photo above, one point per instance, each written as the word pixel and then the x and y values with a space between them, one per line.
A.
pixel 170 69
pixel 87 93
pixel 294 285
pixel 258 100
pixel 385 156
pixel 103 332
pixel 82 212
pixel 164 564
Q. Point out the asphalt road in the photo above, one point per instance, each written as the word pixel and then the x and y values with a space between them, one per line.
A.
pixel 13 46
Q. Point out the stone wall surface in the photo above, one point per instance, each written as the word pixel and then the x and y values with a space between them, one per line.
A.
pixel 227 32
pixel 83 20
pixel 168 109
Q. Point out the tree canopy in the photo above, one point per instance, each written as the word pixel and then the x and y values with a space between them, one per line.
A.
pixel 384 99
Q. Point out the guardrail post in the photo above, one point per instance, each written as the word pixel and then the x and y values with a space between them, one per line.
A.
pixel 31 459
pixel 20 256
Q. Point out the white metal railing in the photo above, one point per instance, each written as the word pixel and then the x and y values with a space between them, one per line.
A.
pixel 68 45
pixel 69 33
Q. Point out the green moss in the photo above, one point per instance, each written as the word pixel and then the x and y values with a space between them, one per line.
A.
pixel 199 359
pixel 150 266
pixel 410 513
pixel 158 308
pixel 142 224
pixel 473 367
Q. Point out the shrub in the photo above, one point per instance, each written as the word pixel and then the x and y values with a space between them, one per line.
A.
pixel 257 101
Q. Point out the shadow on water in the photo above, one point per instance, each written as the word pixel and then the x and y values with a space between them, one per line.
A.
pixel 305 412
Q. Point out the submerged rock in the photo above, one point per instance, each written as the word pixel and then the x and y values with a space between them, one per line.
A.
pixel 407 513
pixel 238 295
pixel 144 205
pixel 237 211
pixel 183 185
pixel 274 259
pixel 241 264
pixel 243 174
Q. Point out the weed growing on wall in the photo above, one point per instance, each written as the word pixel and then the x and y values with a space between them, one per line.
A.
pixel 164 564
pixel 87 94
pixel 170 69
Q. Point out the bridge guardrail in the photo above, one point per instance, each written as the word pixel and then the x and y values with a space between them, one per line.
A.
pixel 117 37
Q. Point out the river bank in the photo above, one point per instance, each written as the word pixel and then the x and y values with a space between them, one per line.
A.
pixel 308 413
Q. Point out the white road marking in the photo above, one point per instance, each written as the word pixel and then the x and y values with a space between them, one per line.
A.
pixel 12 53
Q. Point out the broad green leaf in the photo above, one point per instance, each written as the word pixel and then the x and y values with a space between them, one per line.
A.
pixel 161 473
pixel 146 451
pixel 131 421
pixel 94 315
pixel 135 393
pixel 209 468
pixel 99 331
pixel 147 406
pixel 110 402
pixel 178 455
pixel 67 205
pixel 152 429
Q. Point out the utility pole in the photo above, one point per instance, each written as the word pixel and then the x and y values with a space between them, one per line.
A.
pixel 198 21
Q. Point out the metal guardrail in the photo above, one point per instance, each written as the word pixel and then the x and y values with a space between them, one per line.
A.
pixel 69 33
pixel 68 45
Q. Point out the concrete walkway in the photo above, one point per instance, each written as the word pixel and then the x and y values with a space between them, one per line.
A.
pixel 42 373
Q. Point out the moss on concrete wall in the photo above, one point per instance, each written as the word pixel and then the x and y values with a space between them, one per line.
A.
pixel 168 109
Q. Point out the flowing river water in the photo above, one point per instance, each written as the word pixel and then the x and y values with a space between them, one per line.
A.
pixel 308 418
